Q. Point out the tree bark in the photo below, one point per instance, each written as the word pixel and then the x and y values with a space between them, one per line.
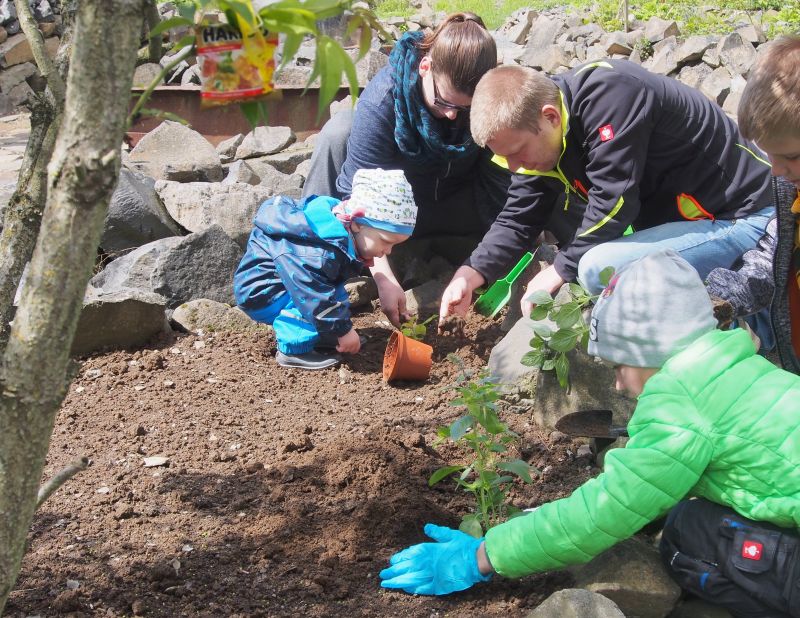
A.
pixel 82 176
pixel 24 212
pixel 152 19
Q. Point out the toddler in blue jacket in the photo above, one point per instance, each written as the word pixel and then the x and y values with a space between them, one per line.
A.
pixel 301 252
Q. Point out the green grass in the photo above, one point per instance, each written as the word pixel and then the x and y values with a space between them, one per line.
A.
pixel 782 16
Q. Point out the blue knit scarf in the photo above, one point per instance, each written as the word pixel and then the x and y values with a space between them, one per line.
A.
pixel 417 132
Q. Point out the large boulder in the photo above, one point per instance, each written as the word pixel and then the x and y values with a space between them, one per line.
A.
pixel 207 315
pixel 123 318
pixel 265 140
pixel 172 151
pixel 631 575
pixel 577 603
pixel 181 269
pixel 199 205
pixel 135 215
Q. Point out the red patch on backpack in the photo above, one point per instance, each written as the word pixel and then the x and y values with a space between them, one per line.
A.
pixel 606 133
pixel 752 550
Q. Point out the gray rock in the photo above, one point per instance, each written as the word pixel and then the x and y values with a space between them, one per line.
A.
pixel 657 29
pixel 361 291
pixel 717 85
pixel 544 32
pixel 240 171
pixel 42 12
pixel 547 59
pixel 590 33
pixel 176 76
pixel 13 76
pixel 303 168
pixel 711 57
pixel 286 161
pixel 631 575
pixel 752 33
pixel 172 151
pixel 8 12
pixel 577 603
pixel 518 26
pixel 227 148
pixel 133 270
pixel 201 265
pixel 124 318
pixel 731 104
pixel 424 299
pixel 663 61
pixel 144 74
pixel 135 215
pixel 277 182
pixel 736 54
pixel 265 140
pixel 198 206
pixel 693 48
pixel 191 75
pixel 617 43
pixel 20 93
pixel 694 75
pixel 207 315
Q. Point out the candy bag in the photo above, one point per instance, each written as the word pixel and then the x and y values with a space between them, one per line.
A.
pixel 233 69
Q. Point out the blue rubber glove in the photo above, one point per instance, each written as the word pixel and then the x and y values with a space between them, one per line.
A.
pixel 446 566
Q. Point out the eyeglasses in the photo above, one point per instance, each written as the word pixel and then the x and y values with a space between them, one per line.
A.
pixel 440 102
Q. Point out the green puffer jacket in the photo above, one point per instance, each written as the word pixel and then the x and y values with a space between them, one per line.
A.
pixel 717 421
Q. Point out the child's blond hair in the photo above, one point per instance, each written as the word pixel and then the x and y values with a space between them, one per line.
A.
pixel 510 97
pixel 770 104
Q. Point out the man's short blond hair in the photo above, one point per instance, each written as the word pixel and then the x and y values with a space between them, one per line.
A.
pixel 510 97
pixel 770 104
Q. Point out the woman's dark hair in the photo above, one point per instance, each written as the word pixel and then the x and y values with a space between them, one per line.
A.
pixel 462 50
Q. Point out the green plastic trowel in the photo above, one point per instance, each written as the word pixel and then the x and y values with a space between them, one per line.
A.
pixel 496 297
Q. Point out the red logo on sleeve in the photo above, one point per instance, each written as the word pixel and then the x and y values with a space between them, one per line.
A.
pixel 752 550
pixel 606 133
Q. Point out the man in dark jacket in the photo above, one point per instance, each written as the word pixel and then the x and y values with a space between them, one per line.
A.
pixel 600 148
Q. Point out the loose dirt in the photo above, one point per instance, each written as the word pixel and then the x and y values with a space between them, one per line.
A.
pixel 284 494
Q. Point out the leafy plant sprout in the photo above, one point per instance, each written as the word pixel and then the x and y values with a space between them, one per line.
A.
pixel 414 329
pixel 489 475
pixel 549 346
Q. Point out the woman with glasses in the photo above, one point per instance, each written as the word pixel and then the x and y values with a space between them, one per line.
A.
pixel 414 116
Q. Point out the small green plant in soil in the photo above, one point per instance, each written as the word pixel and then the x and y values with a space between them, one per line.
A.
pixel 489 473
pixel 415 329
pixel 549 346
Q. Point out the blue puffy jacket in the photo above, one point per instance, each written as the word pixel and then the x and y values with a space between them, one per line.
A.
pixel 298 247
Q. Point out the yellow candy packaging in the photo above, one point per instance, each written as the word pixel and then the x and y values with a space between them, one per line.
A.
pixel 233 68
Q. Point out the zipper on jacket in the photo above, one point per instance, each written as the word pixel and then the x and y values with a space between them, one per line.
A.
pixel 436 185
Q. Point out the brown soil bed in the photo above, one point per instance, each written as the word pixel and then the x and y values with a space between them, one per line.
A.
pixel 285 492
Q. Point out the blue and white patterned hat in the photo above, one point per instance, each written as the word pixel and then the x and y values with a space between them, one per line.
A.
pixel 383 199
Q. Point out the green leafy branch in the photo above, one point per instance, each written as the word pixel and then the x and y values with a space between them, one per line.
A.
pixel 489 475
pixel 549 345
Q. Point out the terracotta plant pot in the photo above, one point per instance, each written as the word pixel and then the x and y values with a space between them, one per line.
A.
pixel 406 359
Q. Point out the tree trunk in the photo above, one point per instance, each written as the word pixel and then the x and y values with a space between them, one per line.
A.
pixel 82 176
pixel 24 213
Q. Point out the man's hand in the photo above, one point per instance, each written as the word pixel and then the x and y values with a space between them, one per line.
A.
pixel 448 565
pixel 457 296
pixel 548 280
pixel 390 293
pixel 349 343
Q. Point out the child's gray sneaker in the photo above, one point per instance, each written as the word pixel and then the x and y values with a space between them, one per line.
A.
pixel 310 360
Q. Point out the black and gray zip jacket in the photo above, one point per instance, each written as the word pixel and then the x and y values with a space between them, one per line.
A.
pixel 639 149
pixel 762 278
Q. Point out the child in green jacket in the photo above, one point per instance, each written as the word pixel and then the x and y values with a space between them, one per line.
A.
pixel 714 420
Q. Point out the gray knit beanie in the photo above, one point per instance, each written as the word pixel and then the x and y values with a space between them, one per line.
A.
pixel 651 309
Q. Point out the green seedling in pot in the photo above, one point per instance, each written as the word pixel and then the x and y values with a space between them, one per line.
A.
pixel 414 329
pixel 489 473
